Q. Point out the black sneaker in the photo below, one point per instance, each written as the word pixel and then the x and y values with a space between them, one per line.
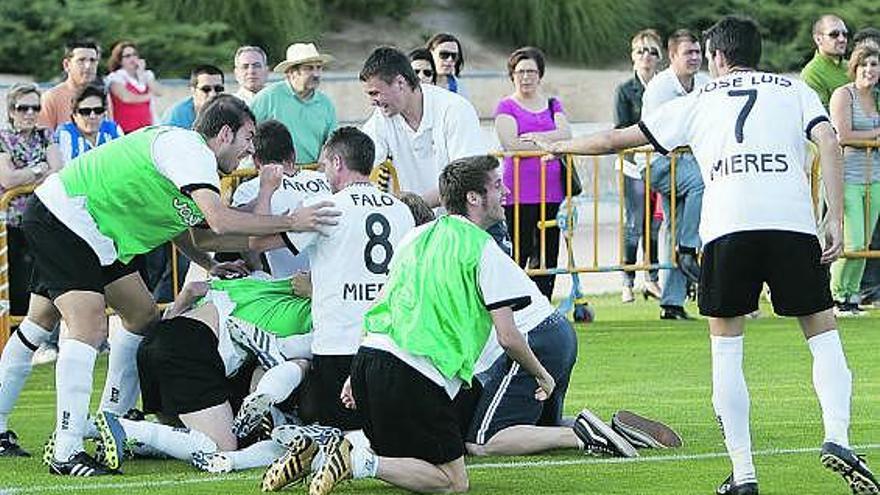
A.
pixel 643 432
pixel 728 488
pixel 674 313
pixel 80 464
pixel 689 266
pixel 9 445
pixel 598 437
pixel 851 466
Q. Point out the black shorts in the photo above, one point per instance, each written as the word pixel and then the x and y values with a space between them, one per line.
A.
pixel 508 397
pixel 180 368
pixel 320 400
pixel 735 267
pixel 405 413
pixel 63 261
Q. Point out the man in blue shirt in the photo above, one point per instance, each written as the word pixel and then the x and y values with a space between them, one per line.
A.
pixel 205 82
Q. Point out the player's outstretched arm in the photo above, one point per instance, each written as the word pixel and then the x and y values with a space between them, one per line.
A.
pixel 831 162
pixel 599 143
pixel 518 349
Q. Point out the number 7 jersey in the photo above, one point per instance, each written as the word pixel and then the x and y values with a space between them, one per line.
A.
pixel 749 133
pixel 349 263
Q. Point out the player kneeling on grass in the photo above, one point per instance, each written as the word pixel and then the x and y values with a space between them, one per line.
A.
pixel 186 363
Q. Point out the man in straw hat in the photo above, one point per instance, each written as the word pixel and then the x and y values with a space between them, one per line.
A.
pixel 308 113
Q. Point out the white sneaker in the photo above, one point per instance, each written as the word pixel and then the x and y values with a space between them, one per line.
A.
pixel 626 295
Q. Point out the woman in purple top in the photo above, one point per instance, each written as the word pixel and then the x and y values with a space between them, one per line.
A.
pixel 528 111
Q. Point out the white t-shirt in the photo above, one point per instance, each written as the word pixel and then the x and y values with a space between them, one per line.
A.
pixel 501 282
pixel 748 131
pixel 350 263
pixel 666 86
pixel 294 189
pixel 178 154
pixel 449 129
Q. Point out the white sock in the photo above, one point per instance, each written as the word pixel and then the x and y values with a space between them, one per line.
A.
pixel 179 443
pixel 280 381
pixel 364 463
pixel 357 439
pixel 730 397
pixel 73 381
pixel 833 383
pixel 260 454
pixel 122 388
pixel 15 365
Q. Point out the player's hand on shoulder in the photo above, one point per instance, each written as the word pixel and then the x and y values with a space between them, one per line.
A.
pixel 313 217
pixel 270 176
pixel 230 269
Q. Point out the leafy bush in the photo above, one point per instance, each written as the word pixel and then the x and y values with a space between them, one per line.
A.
pixel 366 9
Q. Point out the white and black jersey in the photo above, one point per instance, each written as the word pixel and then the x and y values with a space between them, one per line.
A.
pixel 294 189
pixel 749 132
pixel 349 263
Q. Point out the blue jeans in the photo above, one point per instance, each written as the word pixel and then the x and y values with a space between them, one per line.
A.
pixel 634 227
pixel 689 202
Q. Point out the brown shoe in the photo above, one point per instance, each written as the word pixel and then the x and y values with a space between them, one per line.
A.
pixel 292 467
pixel 336 468
pixel 643 432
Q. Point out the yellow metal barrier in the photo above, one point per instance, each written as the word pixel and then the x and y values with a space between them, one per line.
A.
pixel 6 318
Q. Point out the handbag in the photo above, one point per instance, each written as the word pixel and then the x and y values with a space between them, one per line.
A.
pixel 576 187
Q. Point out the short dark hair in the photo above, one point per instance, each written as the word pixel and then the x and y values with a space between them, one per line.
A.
pixel 198 70
pixel 273 143
pixel 443 38
pixel 678 37
pixel 222 110
pixel 526 53
pixel 89 91
pixel 868 33
pixel 738 38
pixel 355 147
pixel 463 176
pixel 421 212
pixel 386 63
pixel 88 44
pixel 424 54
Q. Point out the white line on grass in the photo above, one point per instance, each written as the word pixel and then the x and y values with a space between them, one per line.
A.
pixel 121 485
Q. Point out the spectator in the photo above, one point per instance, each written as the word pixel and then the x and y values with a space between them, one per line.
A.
pixel 132 87
pixel 528 111
pixel 869 36
pixel 855 116
pixel 826 71
pixel 205 83
pixel 27 156
pixel 88 127
pixel 681 78
pixel 449 60
pixel 251 72
pixel 307 112
pixel 422 63
pixel 422 127
pixel 81 65
pixel 646 56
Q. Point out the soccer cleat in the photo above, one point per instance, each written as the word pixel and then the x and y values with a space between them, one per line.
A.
pixel 253 410
pixel 9 446
pixel 286 435
pixel 851 466
pixel 336 468
pixel 643 432
pixel 212 462
pixel 80 464
pixel 111 444
pixel 729 488
pixel 293 466
pixel 598 437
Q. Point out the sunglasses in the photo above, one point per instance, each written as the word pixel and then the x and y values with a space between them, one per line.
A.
pixel 22 108
pixel 217 89
pixel 448 55
pixel 425 72
pixel 649 51
pixel 88 111
pixel 837 33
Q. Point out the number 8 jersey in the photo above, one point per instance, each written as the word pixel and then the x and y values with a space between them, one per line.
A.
pixel 749 132
pixel 349 263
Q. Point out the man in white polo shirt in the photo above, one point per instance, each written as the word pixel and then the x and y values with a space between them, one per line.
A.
pixel 682 76
pixel 421 128
pixel 748 130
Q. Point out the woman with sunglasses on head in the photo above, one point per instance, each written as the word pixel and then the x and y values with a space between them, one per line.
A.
pixel 89 126
pixel 422 63
pixel 646 56
pixel 132 87
pixel 448 61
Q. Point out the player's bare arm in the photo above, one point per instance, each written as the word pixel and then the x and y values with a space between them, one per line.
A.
pixel 185 243
pixel 831 162
pixel 515 346
pixel 599 143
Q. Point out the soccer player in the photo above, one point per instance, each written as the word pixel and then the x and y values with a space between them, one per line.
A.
pixel 87 224
pixel 747 129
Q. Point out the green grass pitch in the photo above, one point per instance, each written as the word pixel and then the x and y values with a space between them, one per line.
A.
pixel 627 359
